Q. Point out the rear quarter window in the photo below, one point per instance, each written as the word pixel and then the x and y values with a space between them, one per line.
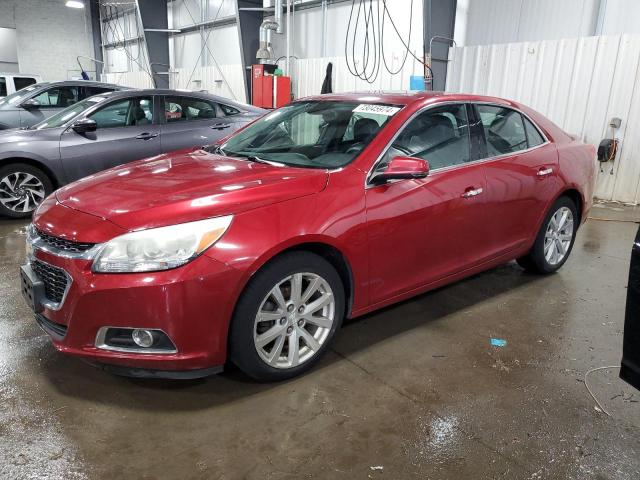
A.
pixel 228 110
pixel 533 135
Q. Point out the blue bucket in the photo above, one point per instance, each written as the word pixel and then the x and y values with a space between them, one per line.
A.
pixel 416 82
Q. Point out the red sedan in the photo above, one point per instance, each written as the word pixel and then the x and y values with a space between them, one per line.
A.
pixel 256 249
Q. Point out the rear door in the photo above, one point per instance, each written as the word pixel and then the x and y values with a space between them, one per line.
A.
pixel 51 101
pixel 522 175
pixel 126 132
pixel 193 122
pixel 421 231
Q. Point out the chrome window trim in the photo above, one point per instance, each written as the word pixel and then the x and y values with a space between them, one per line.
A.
pixel 369 175
pixel 102 333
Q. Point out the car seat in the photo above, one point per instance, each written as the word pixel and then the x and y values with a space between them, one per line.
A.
pixel 364 129
pixel 139 116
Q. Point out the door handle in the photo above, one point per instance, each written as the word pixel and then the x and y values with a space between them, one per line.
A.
pixel 146 136
pixel 472 192
pixel 543 172
pixel 220 126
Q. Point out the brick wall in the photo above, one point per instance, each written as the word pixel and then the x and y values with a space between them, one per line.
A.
pixel 49 36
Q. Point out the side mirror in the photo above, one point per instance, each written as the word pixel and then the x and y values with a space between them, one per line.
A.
pixel 84 125
pixel 30 104
pixel 402 168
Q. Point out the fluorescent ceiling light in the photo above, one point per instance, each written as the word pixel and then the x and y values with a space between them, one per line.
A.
pixel 74 4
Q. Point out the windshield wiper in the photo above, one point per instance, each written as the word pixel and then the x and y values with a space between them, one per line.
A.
pixel 253 158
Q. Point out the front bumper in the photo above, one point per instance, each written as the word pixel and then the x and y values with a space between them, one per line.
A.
pixel 192 304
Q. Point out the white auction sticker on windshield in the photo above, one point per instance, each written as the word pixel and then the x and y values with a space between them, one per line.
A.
pixel 379 109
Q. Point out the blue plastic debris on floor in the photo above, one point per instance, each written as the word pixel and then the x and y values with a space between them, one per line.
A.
pixel 498 342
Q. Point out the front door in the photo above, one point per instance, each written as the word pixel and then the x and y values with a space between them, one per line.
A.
pixel 126 132
pixel 421 231
pixel 522 176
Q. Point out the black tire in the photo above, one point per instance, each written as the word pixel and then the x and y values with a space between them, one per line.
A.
pixel 242 349
pixel 21 168
pixel 535 261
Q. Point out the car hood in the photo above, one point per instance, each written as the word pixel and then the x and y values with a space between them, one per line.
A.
pixel 186 186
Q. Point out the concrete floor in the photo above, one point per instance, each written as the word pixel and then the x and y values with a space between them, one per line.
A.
pixel 414 391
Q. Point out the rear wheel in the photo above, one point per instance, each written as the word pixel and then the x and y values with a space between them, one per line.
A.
pixel 555 239
pixel 287 317
pixel 22 188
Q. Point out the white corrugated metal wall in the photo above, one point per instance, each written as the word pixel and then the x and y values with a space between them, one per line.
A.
pixel 578 83
pixel 308 75
pixel 228 81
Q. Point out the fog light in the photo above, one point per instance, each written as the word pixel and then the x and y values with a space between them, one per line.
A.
pixel 142 338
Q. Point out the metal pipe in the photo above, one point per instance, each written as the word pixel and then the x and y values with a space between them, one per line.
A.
pixel 288 37
pixel 324 27
pixel 278 15
pixel 265 53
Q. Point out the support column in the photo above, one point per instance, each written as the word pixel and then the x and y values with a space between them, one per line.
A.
pixel 94 12
pixel 153 17
pixel 439 21
pixel 249 16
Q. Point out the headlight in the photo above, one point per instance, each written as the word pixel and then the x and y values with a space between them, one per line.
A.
pixel 160 248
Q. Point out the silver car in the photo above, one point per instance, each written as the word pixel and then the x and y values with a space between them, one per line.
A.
pixel 108 130
pixel 36 103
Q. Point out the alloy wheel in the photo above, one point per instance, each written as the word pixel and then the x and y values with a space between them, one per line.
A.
pixel 21 192
pixel 294 320
pixel 557 238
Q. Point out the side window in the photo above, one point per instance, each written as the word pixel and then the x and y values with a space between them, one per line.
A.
pixel 22 82
pixel 439 135
pixel 125 113
pixel 533 135
pixel 57 97
pixel 180 109
pixel 228 110
pixel 503 130
pixel 91 91
pixel 3 87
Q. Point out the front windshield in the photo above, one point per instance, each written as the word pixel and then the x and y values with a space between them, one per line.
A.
pixel 18 96
pixel 68 113
pixel 314 134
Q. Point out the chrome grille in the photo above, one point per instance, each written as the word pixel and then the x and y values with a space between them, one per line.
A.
pixel 63 244
pixel 55 280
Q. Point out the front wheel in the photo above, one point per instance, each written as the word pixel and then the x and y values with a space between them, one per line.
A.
pixel 555 239
pixel 287 317
pixel 22 189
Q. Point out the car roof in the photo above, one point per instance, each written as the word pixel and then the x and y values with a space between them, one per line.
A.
pixel 14 74
pixel 405 97
pixel 91 83
pixel 175 92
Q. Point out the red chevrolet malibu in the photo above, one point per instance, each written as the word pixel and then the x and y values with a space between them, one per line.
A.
pixel 256 249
